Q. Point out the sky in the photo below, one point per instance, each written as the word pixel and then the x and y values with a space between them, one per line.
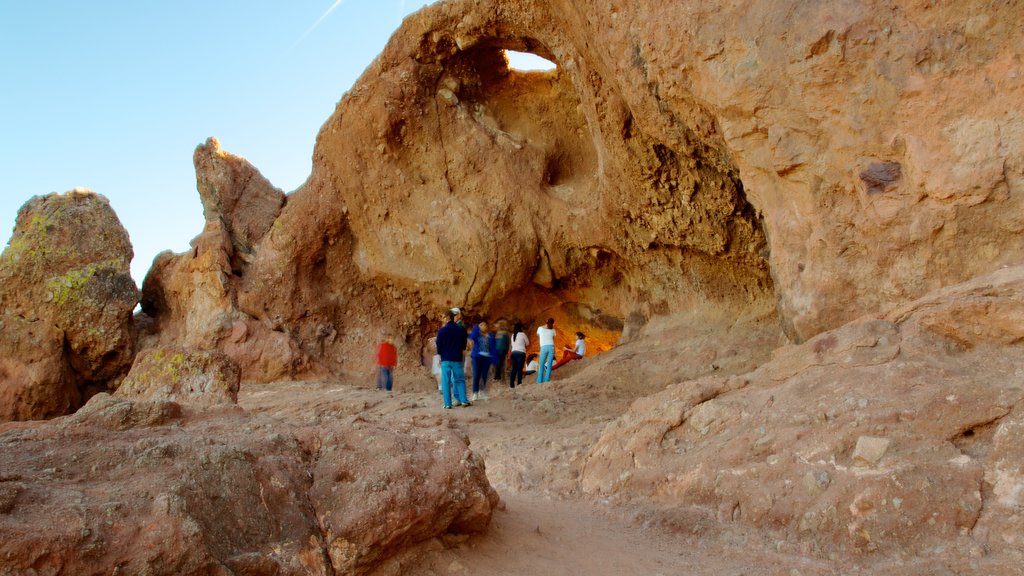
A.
pixel 114 96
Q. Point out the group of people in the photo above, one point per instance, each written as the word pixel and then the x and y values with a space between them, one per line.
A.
pixel 490 351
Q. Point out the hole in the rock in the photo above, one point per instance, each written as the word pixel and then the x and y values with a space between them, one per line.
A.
pixel 527 62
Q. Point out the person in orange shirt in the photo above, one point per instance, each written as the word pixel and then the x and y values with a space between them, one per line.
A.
pixel 387 359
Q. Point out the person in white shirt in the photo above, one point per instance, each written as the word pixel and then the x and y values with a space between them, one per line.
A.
pixel 546 335
pixel 570 354
pixel 531 365
pixel 518 346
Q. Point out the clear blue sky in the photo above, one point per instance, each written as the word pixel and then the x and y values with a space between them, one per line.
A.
pixel 115 96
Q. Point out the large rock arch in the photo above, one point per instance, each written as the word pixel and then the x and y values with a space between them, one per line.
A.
pixel 826 162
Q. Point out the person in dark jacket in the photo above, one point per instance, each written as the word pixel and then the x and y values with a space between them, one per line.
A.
pixel 483 352
pixel 502 343
pixel 451 345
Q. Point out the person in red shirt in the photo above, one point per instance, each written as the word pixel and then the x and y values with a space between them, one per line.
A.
pixel 387 359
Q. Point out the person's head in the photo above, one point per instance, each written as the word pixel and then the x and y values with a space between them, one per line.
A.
pixel 518 327
pixel 452 314
pixel 483 325
pixel 580 336
pixel 551 322
pixel 530 357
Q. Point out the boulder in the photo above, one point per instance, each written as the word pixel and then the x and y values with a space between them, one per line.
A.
pixel 135 487
pixel 191 377
pixel 65 271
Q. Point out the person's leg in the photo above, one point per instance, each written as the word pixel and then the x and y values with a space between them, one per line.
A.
pixel 389 379
pixel 516 373
pixel 380 377
pixel 447 379
pixel 475 376
pixel 547 356
pixel 481 365
pixel 567 357
pixel 460 382
pixel 485 374
pixel 499 365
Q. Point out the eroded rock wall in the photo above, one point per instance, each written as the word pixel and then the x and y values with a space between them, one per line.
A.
pixel 880 141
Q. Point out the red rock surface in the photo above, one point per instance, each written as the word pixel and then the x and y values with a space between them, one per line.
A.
pixel 804 220
pixel 887 435
pixel 135 487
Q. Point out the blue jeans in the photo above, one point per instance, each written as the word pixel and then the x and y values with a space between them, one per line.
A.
pixel 481 370
pixel 547 358
pixel 384 378
pixel 453 380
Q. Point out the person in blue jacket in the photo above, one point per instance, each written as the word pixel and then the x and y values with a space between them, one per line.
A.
pixel 483 352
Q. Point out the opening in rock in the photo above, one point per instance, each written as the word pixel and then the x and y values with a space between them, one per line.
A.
pixel 528 62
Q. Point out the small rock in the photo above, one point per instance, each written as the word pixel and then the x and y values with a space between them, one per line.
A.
pixel 870 450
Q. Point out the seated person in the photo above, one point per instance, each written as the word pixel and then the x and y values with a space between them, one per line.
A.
pixel 531 365
pixel 568 354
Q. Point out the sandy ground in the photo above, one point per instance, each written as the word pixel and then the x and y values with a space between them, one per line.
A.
pixel 533 441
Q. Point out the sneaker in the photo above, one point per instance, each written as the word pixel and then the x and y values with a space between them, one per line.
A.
pixel 474 397
pixel 457 403
pixel 468 404
pixel 447 407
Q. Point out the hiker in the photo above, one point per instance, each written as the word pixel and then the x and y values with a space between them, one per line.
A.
pixel 435 362
pixel 502 343
pixel 519 343
pixel 531 365
pixel 451 344
pixel 387 359
pixel 546 335
pixel 570 354
pixel 483 352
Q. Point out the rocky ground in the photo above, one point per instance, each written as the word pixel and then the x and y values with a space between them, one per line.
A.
pixel 533 441
pixel 887 446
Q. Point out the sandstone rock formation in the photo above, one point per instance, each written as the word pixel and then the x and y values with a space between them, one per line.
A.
pixel 192 296
pixel 134 487
pixel 67 300
pixel 837 160
pixel 891 435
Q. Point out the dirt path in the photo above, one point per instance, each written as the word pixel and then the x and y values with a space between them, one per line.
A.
pixel 533 441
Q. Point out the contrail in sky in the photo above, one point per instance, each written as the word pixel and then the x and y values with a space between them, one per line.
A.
pixel 318 21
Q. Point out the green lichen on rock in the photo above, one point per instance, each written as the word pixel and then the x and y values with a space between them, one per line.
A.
pixel 187 376
pixel 67 287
